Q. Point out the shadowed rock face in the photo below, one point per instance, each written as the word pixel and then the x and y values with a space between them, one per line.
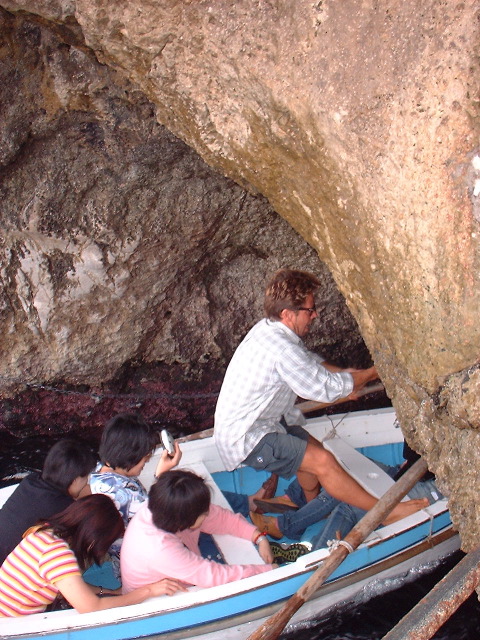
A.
pixel 358 122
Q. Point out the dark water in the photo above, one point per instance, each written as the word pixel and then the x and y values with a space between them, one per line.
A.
pixel 375 618
pixel 365 621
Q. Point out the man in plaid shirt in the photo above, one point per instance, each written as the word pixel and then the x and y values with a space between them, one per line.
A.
pixel 256 422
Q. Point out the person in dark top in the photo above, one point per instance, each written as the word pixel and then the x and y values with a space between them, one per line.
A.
pixel 63 479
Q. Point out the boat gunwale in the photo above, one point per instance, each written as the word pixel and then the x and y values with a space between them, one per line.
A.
pixel 331 586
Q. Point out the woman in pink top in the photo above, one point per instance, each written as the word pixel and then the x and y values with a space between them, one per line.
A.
pixel 161 540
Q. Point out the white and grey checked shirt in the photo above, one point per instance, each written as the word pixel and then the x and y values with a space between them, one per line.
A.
pixel 269 369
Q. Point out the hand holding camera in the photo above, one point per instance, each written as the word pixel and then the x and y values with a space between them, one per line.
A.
pixel 171 453
pixel 168 442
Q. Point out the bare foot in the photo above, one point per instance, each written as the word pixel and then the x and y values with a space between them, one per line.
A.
pixel 404 509
pixel 267 490
pixel 258 495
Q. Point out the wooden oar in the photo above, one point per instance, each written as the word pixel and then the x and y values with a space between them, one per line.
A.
pixel 426 617
pixel 273 626
pixel 310 405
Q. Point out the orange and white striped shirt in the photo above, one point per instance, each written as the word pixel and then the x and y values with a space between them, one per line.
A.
pixel 30 572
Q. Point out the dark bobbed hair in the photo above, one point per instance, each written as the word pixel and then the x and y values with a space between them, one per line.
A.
pixel 177 499
pixel 126 439
pixel 288 289
pixel 66 461
pixel 89 525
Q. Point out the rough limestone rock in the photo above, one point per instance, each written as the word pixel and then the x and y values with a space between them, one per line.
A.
pixel 130 269
pixel 359 122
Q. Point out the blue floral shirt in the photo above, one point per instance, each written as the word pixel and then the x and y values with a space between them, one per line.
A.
pixel 128 494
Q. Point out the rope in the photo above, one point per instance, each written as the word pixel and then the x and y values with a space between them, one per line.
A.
pixel 333 431
pixel 334 544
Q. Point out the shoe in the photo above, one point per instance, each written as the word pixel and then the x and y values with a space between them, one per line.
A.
pixel 283 553
pixel 270 487
pixel 275 505
pixel 266 524
pixel 267 491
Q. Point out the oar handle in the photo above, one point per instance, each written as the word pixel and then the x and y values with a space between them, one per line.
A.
pixel 310 405
pixel 273 626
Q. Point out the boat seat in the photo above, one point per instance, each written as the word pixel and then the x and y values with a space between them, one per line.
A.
pixel 6 493
pixel 368 474
pixel 234 550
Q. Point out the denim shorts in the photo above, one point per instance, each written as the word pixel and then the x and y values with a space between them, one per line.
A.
pixel 280 453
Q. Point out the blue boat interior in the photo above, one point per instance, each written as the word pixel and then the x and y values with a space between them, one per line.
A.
pixel 247 481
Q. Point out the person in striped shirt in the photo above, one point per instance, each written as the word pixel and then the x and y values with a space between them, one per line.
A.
pixel 51 557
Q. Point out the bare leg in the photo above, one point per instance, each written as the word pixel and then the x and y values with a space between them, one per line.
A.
pixel 338 483
pixel 309 484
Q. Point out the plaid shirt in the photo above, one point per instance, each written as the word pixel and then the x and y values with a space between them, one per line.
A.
pixel 269 369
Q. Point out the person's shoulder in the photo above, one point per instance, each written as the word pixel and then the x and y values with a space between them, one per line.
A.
pixel 278 336
pixel 143 514
pixel 265 329
pixel 108 480
pixel 253 331
pixel 32 500
pixel 142 523
pixel 33 488
pixel 52 550
pixel 256 338
pixel 33 481
pixel 44 538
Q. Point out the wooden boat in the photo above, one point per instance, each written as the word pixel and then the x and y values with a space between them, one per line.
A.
pixel 236 609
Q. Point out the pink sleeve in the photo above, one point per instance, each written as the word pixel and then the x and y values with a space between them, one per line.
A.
pixel 221 520
pixel 179 562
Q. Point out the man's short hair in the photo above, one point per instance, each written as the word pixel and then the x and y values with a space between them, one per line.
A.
pixel 287 290
pixel 67 460
pixel 126 439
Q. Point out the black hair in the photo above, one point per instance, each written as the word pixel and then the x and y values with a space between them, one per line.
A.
pixel 89 525
pixel 177 499
pixel 126 439
pixel 67 460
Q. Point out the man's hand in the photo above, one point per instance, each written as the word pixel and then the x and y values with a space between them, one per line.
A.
pixel 361 377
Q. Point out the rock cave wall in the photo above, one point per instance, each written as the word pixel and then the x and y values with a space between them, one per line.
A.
pixel 130 269
pixel 357 121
